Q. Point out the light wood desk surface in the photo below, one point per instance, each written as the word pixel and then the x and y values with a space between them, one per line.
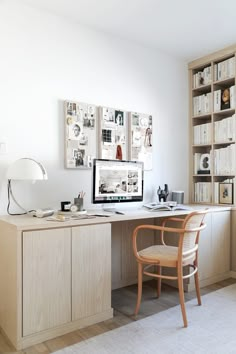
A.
pixel 28 222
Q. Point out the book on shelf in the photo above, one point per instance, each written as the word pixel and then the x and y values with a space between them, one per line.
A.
pixel 202 104
pixel 202 77
pixel 202 134
pixel 168 206
pixel 224 69
pixel 224 130
pixel 202 192
pixel 224 160
pixel 217 100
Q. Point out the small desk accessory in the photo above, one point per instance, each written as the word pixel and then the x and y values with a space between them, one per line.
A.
pixel 78 205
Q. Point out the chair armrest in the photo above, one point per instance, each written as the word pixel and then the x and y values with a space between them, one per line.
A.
pixel 180 231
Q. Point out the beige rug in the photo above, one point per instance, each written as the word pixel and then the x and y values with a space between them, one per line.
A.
pixel 211 330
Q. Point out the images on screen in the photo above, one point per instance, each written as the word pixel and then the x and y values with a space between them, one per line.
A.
pixel 116 181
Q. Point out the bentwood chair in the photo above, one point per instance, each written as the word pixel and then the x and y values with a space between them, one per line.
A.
pixel 158 256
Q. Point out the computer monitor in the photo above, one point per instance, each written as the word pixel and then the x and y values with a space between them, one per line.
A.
pixel 117 181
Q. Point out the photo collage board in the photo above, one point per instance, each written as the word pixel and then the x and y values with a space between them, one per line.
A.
pixel 107 133
pixel 113 134
pixel 80 134
pixel 141 138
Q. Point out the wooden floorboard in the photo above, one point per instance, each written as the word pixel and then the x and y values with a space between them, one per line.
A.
pixel 123 302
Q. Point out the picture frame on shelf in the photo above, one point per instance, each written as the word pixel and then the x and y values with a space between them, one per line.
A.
pixel 226 193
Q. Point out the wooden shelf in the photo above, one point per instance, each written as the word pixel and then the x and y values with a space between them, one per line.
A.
pixel 207 75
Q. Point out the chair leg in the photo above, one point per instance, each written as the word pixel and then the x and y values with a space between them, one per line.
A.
pixel 197 288
pixel 140 286
pixel 181 295
pixel 158 281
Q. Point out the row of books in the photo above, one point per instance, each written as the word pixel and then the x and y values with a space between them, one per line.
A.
pixel 202 192
pixel 202 134
pixel 224 160
pixel 224 98
pixel 202 104
pixel 225 69
pixel 224 130
pixel 202 77
pixel 222 71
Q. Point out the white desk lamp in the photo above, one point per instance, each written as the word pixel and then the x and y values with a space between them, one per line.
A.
pixel 24 169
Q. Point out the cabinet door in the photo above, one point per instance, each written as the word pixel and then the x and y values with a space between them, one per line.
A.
pixel 46 279
pixel 214 245
pixel 221 241
pixel 91 270
pixel 206 261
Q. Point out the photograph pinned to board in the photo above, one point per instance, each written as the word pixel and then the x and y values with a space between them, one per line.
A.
pixel 140 126
pixel 113 133
pixel 80 134
pixel 226 193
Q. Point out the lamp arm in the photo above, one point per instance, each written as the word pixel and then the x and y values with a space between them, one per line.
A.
pixel 11 195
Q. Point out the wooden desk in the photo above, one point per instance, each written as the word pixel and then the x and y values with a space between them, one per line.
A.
pixel 56 276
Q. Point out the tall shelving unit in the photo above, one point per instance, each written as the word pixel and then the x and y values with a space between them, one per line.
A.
pixel 213 128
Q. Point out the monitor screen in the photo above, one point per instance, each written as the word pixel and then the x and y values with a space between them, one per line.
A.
pixel 116 181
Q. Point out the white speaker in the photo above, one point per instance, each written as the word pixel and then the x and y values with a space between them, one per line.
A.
pixel 178 196
pixel 204 162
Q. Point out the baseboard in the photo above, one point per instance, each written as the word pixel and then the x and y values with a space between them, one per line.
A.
pixel 63 329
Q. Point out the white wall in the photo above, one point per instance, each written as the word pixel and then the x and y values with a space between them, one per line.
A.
pixel 45 60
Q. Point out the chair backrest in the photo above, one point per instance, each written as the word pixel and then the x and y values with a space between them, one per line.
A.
pixel 194 222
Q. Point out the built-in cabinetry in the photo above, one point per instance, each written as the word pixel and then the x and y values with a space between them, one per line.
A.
pixel 53 281
pixel 91 271
pixel 214 249
pixel 46 279
pixel 57 277
pixel 212 125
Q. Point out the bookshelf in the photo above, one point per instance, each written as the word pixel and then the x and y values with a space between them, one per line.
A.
pixel 212 95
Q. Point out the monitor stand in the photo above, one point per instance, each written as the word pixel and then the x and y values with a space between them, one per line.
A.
pixel 111 209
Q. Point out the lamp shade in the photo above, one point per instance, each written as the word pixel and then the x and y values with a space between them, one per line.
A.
pixel 26 169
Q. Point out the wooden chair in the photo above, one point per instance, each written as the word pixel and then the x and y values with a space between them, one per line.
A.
pixel 158 256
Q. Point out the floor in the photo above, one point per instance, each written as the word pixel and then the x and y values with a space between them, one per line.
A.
pixel 123 302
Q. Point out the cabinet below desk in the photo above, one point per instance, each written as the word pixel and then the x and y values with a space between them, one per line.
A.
pixel 53 281
pixel 56 277
pixel 214 250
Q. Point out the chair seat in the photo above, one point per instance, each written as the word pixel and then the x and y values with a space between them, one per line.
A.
pixel 167 255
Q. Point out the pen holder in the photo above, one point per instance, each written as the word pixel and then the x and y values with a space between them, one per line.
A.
pixel 79 202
